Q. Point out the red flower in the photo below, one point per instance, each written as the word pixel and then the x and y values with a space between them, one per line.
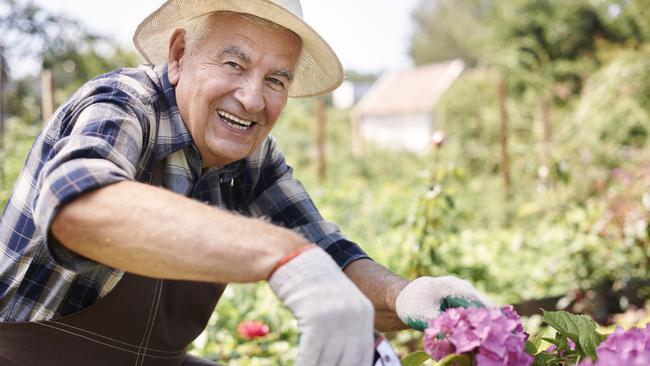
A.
pixel 249 329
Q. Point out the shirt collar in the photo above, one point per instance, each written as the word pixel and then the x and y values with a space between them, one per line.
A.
pixel 173 135
pixel 177 134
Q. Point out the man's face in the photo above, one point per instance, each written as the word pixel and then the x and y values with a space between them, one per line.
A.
pixel 232 88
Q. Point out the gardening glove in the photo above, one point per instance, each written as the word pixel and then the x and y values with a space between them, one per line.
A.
pixel 427 297
pixel 335 318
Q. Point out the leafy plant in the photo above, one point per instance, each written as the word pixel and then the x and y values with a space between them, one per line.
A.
pixel 578 328
pixel 419 357
pixel 467 337
pixel 482 336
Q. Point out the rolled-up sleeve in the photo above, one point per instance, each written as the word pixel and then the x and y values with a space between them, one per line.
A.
pixel 283 199
pixel 91 148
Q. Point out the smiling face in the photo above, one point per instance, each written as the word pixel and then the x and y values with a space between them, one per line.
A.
pixel 232 87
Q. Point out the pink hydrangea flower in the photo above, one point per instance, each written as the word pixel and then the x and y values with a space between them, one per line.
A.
pixel 438 349
pixel 495 336
pixel 629 348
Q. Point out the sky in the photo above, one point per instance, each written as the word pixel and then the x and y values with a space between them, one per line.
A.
pixel 369 36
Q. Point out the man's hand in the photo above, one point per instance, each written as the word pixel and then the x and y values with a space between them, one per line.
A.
pixel 426 297
pixel 335 319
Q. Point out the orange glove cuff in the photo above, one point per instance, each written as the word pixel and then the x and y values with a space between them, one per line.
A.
pixel 284 260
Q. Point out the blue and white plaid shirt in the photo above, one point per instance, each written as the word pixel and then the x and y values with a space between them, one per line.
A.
pixel 118 127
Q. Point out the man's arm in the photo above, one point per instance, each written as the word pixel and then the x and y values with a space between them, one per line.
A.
pixel 398 301
pixel 154 232
pixel 382 287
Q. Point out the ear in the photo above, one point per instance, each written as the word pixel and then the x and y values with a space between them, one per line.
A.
pixel 176 53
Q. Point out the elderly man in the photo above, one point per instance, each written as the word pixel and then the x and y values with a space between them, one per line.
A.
pixel 139 199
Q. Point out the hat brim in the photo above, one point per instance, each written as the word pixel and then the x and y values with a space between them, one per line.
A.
pixel 318 70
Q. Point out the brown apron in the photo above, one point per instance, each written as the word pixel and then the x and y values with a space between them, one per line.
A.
pixel 142 321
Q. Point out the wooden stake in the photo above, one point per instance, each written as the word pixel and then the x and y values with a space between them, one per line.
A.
pixel 505 164
pixel 2 119
pixel 320 138
pixel 546 129
pixel 357 141
pixel 2 85
pixel 47 94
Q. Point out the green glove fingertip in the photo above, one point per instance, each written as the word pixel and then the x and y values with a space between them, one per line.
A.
pixel 416 324
pixel 459 302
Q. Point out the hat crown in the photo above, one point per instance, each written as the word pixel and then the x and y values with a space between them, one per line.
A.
pixel 291 5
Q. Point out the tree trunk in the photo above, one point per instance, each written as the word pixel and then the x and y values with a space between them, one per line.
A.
pixel 2 99
pixel 357 141
pixel 505 164
pixel 47 95
pixel 546 129
pixel 2 119
pixel 320 138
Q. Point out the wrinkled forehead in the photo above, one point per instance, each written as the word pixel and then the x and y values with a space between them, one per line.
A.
pixel 251 37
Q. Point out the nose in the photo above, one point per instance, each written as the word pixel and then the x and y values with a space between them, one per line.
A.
pixel 251 95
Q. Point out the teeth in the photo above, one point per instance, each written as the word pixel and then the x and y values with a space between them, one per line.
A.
pixel 234 125
pixel 235 118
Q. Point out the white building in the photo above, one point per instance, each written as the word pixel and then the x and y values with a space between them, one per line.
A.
pixel 397 112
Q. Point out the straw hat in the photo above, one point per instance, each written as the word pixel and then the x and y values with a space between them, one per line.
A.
pixel 318 69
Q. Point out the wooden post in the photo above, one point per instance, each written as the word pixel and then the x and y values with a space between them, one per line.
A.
pixel 47 95
pixel 2 99
pixel 546 129
pixel 505 164
pixel 2 119
pixel 357 140
pixel 320 138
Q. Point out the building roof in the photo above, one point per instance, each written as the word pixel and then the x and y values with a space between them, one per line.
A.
pixel 410 91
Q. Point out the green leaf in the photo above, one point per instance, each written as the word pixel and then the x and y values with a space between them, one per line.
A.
pixel 552 341
pixel 572 358
pixel 415 359
pixel 531 348
pixel 455 360
pixel 579 328
pixel 545 359
pixel 563 343
pixel 533 343
pixel 419 357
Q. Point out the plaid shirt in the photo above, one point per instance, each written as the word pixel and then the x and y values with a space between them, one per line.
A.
pixel 120 126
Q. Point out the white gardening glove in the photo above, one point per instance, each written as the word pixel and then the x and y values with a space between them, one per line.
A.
pixel 335 318
pixel 426 297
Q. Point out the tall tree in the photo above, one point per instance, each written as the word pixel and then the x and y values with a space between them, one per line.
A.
pixel 557 44
pixel 62 44
pixel 447 29
pixel 34 32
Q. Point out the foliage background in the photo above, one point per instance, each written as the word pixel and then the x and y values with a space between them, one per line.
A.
pixel 573 224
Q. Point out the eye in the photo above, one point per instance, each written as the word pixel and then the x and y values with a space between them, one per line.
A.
pixel 277 83
pixel 233 65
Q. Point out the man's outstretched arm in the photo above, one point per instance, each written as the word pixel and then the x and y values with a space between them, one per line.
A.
pixel 400 303
pixel 154 232
pixel 382 287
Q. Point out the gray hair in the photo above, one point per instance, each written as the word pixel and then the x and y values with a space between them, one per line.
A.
pixel 197 28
